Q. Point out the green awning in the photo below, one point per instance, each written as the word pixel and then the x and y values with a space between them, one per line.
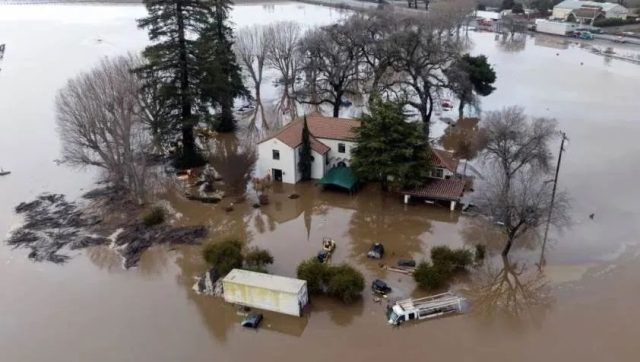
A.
pixel 341 177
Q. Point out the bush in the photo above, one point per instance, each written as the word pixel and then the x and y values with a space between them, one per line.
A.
pixel 314 273
pixel 455 261
pixel 432 277
pixel 256 259
pixel 345 283
pixel 224 256
pixel 155 216
pixel 445 264
pixel 342 282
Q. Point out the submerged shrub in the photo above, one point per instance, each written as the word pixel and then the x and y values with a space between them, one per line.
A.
pixel 445 264
pixel 256 259
pixel 342 282
pixel 224 256
pixel 432 276
pixel 155 216
pixel 455 261
pixel 314 273
pixel 345 283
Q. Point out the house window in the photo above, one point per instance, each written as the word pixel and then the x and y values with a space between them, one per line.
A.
pixel 276 154
pixel 341 148
pixel 437 172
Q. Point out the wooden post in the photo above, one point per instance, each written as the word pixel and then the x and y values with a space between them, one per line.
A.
pixel 453 205
pixel 406 198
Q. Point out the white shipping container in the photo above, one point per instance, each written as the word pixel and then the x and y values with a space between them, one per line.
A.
pixel 264 291
pixel 554 27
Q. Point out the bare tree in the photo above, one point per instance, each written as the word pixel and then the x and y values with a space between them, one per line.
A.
pixel 283 55
pixel 521 204
pixel 424 49
pixel 251 46
pixel 233 160
pixel 517 195
pixel 514 143
pixel 330 63
pixel 101 123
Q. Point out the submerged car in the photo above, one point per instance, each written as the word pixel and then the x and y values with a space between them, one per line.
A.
pixel 252 320
pixel 323 256
pixel 380 287
pixel 376 251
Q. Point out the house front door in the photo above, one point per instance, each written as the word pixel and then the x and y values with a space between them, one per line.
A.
pixel 277 175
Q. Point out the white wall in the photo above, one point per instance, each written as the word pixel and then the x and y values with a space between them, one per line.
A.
pixel 286 163
pixel 334 155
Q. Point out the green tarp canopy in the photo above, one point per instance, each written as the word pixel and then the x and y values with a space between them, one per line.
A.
pixel 340 176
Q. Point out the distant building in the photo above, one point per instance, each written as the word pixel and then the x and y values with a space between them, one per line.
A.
pixel 588 11
pixel 332 140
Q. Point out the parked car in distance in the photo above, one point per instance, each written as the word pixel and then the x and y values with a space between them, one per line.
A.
pixel 380 287
pixel 376 251
pixel 252 320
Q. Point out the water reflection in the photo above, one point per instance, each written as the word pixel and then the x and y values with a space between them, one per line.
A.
pixel 379 217
pixel 512 42
pixel 478 230
pixel 512 293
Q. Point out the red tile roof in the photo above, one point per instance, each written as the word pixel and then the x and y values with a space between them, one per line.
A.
pixel 439 189
pixel 319 127
pixel 444 159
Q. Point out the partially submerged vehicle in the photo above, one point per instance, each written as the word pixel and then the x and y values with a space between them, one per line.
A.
pixel 323 256
pixel 380 287
pixel 407 263
pixel 376 251
pixel 424 308
pixel 328 244
pixel 252 320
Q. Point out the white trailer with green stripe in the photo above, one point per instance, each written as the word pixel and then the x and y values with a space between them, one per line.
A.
pixel 265 291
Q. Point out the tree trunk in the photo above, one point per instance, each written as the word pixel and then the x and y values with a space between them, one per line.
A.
pixel 336 105
pixel 507 247
pixel 188 141
pixel 461 109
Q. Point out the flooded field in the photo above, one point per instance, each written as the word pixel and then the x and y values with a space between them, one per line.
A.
pixel 92 309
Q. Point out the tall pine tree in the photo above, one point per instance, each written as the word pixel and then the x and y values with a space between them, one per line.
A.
pixel 175 27
pixel 389 148
pixel 222 77
pixel 306 158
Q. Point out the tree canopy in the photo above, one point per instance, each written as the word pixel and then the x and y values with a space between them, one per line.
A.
pixel 470 77
pixel 389 148
pixel 221 74
pixel 175 27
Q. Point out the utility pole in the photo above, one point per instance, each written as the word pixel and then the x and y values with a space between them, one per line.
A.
pixel 553 199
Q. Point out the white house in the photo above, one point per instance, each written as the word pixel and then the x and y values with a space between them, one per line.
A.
pixel 609 10
pixel 332 140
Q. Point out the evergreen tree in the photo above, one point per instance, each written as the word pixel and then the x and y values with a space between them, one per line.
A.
pixel 470 77
pixel 222 76
pixel 306 159
pixel 174 28
pixel 390 149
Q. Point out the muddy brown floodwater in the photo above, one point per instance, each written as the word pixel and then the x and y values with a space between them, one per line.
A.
pixel 92 310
